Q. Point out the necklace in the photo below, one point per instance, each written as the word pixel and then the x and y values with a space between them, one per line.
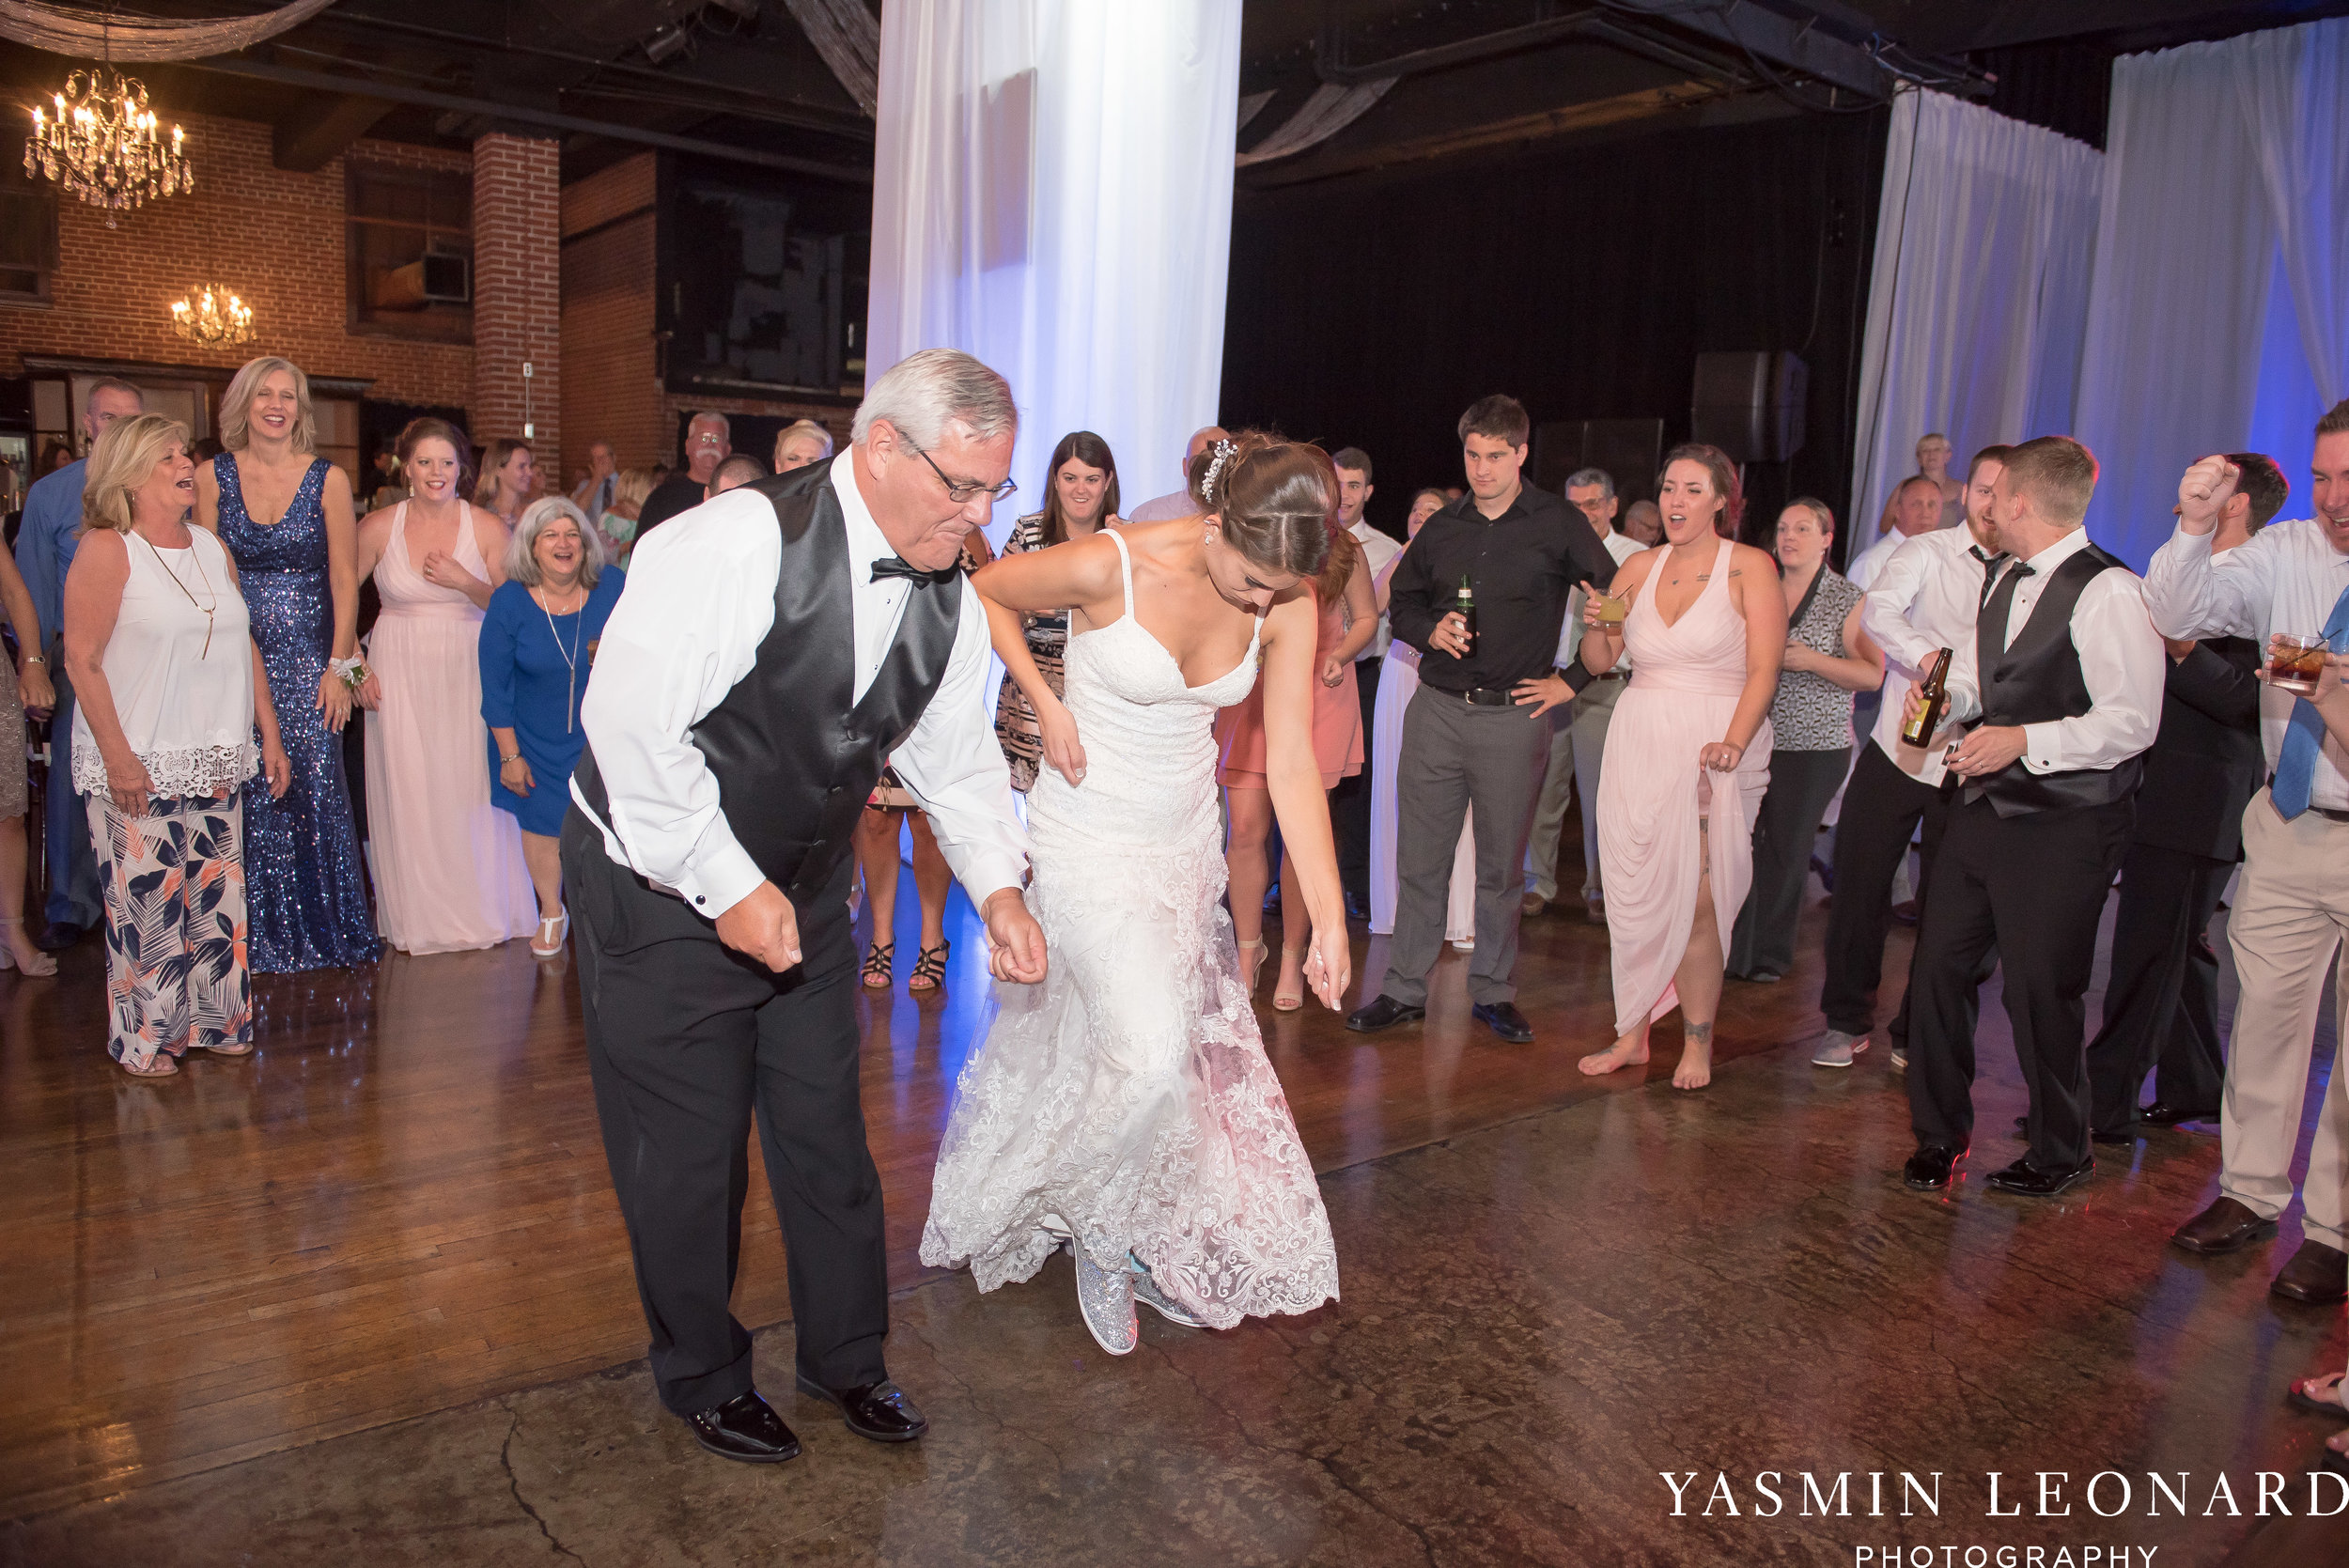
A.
pixel 209 609
pixel 570 655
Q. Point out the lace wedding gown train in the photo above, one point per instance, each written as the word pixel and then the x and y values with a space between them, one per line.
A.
pixel 1126 1101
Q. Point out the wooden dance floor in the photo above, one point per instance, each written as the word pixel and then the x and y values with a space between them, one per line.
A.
pixel 399 1204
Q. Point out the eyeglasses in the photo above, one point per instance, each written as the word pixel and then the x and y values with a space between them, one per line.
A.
pixel 960 491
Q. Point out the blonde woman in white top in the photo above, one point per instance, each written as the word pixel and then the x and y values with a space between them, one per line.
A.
pixel 169 690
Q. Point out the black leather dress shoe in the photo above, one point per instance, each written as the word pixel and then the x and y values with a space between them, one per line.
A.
pixel 1382 1012
pixel 2317 1274
pixel 2226 1226
pixel 877 1410
pixel 2026 1180
pixel 2161 1114
pixel 746 1428
pixel 1503 1019
pixel 60 934
pixel 1930 1169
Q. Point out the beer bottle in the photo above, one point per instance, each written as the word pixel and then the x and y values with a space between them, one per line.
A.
pixel 1464 602
pixel 1936 690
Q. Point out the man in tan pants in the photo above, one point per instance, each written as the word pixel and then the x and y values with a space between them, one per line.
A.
pixel 2292 907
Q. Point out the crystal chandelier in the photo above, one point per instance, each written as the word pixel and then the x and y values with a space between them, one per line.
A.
pixel 212 317
pixel 100 142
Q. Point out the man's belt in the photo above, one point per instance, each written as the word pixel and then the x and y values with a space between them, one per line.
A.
pixel 1484 696
pixel 1612 674
pixel 2329 815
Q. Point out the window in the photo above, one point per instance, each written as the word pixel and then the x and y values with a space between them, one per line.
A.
pixel 409 252
pixel 28 228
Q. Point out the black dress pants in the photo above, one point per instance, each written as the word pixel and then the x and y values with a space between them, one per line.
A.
pixel 1350 802
pixel 687 1040
pixel 1801 784
pixel 1882 809
pixel 2033 886
pixel 2161 1004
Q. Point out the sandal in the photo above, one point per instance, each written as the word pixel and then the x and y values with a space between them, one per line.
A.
pixel 1250 965
pixel 930 968
pixel 879 966
pixel 1288 1002
pixel 548 943
pixel 244 1049
pixel 2303 1396
pixel 158 1065
pixel 40 966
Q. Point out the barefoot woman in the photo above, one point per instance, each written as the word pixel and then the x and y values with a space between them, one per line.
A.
pixel 1687 757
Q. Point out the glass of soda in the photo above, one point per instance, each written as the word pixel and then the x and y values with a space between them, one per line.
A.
pixel 2296 664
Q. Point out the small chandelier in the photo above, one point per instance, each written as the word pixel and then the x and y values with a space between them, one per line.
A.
pixel 212 317
pixel 100 142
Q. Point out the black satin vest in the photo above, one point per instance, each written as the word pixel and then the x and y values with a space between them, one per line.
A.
pixel 2038 680
pixel 794 753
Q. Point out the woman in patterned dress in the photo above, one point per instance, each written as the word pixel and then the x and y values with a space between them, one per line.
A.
pixel 1827 659
pixel 1083 496
pixel 169 687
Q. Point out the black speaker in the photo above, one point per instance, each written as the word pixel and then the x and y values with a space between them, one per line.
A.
pixel 1750 405
pixel 1628 449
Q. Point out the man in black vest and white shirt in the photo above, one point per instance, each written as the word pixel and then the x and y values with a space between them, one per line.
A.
pixel 774 646
pixel 2064 680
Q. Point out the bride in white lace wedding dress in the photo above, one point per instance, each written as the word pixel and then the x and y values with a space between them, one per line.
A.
pixel 1124 1103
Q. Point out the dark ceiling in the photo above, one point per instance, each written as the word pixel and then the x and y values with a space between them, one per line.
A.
pixel 738 79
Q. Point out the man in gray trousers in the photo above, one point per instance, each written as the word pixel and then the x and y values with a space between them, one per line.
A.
pixel 1477 730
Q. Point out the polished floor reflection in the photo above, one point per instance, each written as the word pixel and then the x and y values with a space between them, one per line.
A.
pixel 369 1286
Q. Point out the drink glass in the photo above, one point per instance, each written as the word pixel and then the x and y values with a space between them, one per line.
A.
pixel 2296 664
pixel 1612 608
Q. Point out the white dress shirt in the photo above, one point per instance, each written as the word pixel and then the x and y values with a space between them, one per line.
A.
pixel 2286 578
pixel 1622 547
pixel 1377 549
pixel 2121 661
pixel 1925 597
pixel 1862 573
pixel 700 599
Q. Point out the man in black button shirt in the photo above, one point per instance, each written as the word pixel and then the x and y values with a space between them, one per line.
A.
pixel 1472 734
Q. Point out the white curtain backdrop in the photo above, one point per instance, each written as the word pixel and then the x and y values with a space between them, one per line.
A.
pixel 1979 299
pixel 2221 291
pixel 1052 192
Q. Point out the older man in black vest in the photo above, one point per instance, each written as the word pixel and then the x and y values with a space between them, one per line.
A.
pixel 774 646
pixel 2064 677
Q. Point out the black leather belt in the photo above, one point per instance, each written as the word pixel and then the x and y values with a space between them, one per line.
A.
pixel 2329 815
pixel 1482 696
pixel 1612 674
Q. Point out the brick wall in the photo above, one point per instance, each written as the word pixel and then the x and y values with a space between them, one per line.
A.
pixel 613 391
pixel 612 388
pixel 517 183
pixel 275 238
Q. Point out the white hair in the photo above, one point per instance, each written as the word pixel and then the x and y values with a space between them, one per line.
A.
pixel 923 392
pixel 522 550
pixel 711 416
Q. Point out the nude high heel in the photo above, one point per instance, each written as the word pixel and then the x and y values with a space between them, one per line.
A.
pixel 40 966
pixel 1251 964
pixel 1289 1002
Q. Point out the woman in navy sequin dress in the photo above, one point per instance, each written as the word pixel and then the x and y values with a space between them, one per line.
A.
pixel 305 882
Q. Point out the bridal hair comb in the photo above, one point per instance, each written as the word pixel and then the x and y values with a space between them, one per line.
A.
pixel 1223 450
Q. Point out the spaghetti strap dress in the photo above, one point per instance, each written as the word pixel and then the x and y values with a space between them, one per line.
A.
pixel 448 865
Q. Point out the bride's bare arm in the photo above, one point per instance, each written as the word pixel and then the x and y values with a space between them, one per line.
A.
pixel 1078 575
pixel 1294 778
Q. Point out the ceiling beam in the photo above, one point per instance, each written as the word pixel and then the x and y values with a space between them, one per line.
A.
pixel 313 133
pixel 516 114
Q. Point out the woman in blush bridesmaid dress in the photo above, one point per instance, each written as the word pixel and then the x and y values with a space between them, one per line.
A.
pixel 449 873
pixel 1687 757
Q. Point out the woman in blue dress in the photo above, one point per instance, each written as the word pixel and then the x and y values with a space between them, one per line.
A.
pixel 537 641
pixel 286 516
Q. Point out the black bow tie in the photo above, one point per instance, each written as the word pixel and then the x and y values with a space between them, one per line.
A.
pixel 898 566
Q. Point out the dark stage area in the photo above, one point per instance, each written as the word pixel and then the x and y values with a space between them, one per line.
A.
pixel 369 1285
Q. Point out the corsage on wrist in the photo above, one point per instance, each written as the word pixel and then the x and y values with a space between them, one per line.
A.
pixel 352 673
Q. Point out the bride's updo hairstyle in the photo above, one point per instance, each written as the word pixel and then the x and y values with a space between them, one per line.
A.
pixel 1278 500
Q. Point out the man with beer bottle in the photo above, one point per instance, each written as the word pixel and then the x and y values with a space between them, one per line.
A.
pixel 2060 690
pixel 1923 599
pixel 1476 732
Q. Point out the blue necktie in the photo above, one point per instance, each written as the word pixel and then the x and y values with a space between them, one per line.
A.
pixel 2295 764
